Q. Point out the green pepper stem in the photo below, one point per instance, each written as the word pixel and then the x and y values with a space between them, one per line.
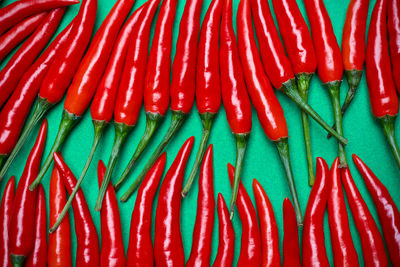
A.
pixel 178 117
pixel 3 158
pixel 17 260
pixel 388 129
pixel 68 122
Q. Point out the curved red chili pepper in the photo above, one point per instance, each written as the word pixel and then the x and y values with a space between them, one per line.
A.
pixel 112 245
pixel 388 213
pixel 87 250
pixel 203 227
pixel 268 228
pixel 6 207
pixel 22 225
pixel 371 240
pixel 38 256
pixel 168 247
pixel 140 249
pixel 314 252
pixel 251 248
pixel 226 233
pixel 344 252
pixel 394 39
pixel 290 246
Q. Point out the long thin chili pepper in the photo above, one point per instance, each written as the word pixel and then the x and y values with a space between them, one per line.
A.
pixel 300 50
pixel 381 88
pixel 388 213
pixel 371 240
pixel 394 39
pixel 313 246
pixel 203 227
pixel 140 249
pixel 182 84
pixel 344 252
pixel 290 246
pixel 208 87
pixel 251 247
pixel 22 225
pixel 168 247
pixel 268 228
pixel 226 233
pixel 269 110
pixel 112 246
pixel 87 250
pixel 5 218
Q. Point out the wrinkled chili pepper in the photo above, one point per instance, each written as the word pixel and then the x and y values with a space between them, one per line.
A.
pixel 5 218
pixel 388 213
pixel 290 246
pixel 313 246
pixel 140 249
pixel 394 39
pixel 87 250
pixel 168 247
pixel 22 224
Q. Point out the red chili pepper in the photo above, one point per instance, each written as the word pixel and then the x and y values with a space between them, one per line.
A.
pixel 22 225
pixel 394 39
pixel 168 247
pixel 381 88
pixel 314 252
pixel 203 227
pixel 5 218
pixel 226 247
pixel 112 245
pixel 87 250
pixel 250 249
pixel 344 252
pixel 291 246
pixel 388 212
pixel 268 228
pixel 140 249
pixel 371 240
pixel 38 256
pixel 27 53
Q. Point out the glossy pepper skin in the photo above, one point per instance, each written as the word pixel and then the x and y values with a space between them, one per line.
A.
pixel 394 39
pixel 168 247
pixel 203 227
pixel 5 218
pixel 290 246
pixel 314 252
pixel 140 249
pixel 388 213
pixel 22 224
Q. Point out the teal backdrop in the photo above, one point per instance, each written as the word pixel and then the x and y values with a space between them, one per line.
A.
pixel 262 162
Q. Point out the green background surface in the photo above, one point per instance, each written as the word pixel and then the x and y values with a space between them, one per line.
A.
pixel 262 162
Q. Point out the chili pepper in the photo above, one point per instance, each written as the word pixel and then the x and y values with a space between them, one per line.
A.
pixel 27 53
pixel 290 247
pixel 394 39
pixel 314 252
pixel 112 245
pixel 22 224
pixel 18 33
pixel 14 113
pixel 87 250
pixel 226 233
pixel 208 88
pixel 269 110
pixel 250 249
pixel 182 84
pixel 344 252
pixel 59 252
pixel 388 212
pixel 268 228
pixel 140 249
pixel 203 227
pixel 5 216
pixel 371 240
pixel 168 247
pixel 381 88
pixel 300 50
pixel 38 256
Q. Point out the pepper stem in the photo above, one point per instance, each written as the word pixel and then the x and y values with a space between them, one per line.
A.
pixel 207 121
pixel 388 129
pixel 153 120
pixel 178 117
pixel 17 260
pixel 121 132
pixel 3 158
pixel 68 122
pixel 289 88
pixel 283 148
